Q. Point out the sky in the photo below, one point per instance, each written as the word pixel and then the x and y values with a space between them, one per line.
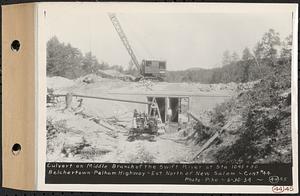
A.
pixel 183 39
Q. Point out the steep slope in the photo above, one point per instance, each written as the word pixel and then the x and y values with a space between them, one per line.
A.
pixel 259 124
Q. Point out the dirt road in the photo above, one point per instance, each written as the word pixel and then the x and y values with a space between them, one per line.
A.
pixel 164 149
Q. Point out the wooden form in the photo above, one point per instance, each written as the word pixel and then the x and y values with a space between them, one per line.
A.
pixel 167 100
pixel 194 116
pixel 18 72
pixel 210 140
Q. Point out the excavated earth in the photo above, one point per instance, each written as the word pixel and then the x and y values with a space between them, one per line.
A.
pixel 97 130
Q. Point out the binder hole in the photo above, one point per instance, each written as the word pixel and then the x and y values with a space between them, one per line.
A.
pixel 15 45
pixel 16 149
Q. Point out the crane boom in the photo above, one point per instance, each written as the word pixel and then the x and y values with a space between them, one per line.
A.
pixel 124 39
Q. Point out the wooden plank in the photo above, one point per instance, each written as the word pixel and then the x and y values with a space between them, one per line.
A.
pixel 207 144
pixel 194 116
pixel 210 141
pixel 18 23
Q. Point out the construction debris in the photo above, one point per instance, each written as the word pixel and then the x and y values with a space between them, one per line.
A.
pixel 91 110
pixel 212 139
pixel 194 116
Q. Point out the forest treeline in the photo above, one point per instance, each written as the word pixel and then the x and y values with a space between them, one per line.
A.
pixel 67 61
pixel 254 64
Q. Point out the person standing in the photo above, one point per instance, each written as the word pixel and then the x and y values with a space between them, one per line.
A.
pixel 169 114
pixel 135 115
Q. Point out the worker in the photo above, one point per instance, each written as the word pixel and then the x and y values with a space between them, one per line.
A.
pixel 169 114
pixel 176 112
pixel 135 115
pixel 79 109
pixel 50 96
pixel 68 98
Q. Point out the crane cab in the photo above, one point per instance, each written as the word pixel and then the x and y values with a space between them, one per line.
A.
pixel 154 69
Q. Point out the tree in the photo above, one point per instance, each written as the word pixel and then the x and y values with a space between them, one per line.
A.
pixel 270 42
pixel 247 60
pixel 188 77
pixel 226 58
pixel 72 62
pixel 286 51
pixel 234 57
pixel 216 76
pixel 90 63
pixel 247 54
pixel 67 61
pixel 258 51
pixel 53 50
pixel 267 47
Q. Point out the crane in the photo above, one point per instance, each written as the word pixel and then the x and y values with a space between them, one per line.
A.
pixel 124 39
pixel 149 69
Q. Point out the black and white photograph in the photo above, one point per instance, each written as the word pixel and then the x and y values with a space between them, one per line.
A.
pixel 168 87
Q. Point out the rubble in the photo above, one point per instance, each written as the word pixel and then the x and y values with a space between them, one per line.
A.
pixel 58 82
pixel 114 74
pixel 98 130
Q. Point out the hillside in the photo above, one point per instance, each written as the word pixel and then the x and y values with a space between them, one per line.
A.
pixel 258 124
pixel 190 75
pixel 240 71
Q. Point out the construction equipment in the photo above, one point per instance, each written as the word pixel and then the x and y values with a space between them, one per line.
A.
pixel 148 69
pixel 143 123
pixel 144 127
pixel 146 123
pixel 50 97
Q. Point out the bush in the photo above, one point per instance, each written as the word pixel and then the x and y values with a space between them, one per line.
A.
pixel 53 130
pixel 263 114
pixel 203 133
pixel 220 113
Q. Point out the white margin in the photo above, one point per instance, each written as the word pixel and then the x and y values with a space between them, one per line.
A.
pixel 159 7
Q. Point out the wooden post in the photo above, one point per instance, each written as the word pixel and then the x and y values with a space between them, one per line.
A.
pixel 194 116
pixel 69 97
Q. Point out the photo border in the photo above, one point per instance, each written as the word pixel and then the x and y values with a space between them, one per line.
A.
pixel 41 92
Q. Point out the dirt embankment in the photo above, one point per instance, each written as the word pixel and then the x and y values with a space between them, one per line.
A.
pixel 98 130
pixel 95 130
pixel 258 125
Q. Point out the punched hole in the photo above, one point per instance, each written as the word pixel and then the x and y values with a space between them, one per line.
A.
pixel 15 45
pixel 16 149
